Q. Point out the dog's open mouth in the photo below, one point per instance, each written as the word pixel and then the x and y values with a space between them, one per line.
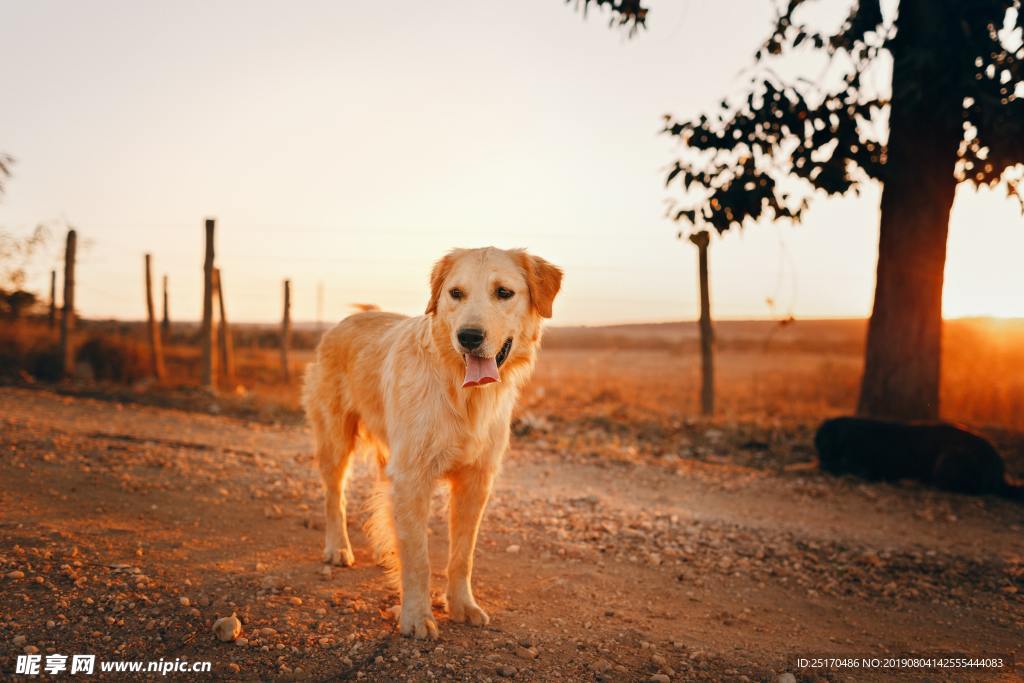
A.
pixel 503 352
pixel 480 371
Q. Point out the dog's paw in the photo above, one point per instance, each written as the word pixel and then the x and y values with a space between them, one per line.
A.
pixel 462 611
pixel 417 624
pixel 343 557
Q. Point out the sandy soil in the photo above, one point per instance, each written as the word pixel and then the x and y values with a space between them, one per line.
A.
pixel 126 530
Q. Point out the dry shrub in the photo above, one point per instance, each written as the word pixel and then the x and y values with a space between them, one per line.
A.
pixel 45 363
pixel 29 348
pixel 114 358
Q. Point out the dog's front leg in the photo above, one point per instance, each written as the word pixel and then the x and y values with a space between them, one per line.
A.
pixel 470 488
pixel 410 506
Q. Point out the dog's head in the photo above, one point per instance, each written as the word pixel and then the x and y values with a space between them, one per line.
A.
pixel 487 305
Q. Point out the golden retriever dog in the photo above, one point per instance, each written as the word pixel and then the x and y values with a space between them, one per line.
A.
pixel 432 396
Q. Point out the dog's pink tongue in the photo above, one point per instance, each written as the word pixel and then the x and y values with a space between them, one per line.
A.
pixel 480 371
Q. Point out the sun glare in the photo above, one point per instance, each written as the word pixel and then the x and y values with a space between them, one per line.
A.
pixel 984 269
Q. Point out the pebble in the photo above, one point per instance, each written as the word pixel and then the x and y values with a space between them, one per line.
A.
pixel 659 678
pixel 19 641
pixel 512 549
pixel 785 678
pixel 526 652
pixel 234 667
pixel 16 574
pixel 185 602
pixel 295 600
pixel 227 628
pixel 507 671
pixel 30 649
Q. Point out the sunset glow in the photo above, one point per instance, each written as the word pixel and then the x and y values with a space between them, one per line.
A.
pixel 333 159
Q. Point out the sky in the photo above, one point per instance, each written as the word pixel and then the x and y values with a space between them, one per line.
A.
pixel 349 145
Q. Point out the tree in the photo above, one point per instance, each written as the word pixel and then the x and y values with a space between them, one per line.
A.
pixel 16 254
pixel 952 112
pixel 5 169
pixel 17 302
pixel 630 14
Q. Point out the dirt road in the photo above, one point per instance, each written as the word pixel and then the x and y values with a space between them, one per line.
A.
pixel 126 530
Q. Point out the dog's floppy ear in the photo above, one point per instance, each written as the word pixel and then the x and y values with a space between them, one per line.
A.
pixel 544 280
pixel 437 278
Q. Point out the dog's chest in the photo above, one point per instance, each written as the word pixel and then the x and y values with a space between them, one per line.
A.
pixel 483 428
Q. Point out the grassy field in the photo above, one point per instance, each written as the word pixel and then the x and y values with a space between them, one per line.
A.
pixel 650 373
pixel 803 370
pixel 764 370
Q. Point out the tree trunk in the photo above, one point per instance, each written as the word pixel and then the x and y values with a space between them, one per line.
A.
pixel 904 350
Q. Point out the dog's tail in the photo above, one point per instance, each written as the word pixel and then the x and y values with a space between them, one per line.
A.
pixel 380 528
pixel 310 378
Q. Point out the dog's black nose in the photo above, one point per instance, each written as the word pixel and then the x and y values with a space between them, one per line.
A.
pixel 470 338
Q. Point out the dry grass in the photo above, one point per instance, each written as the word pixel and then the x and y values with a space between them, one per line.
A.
pixel 661 386
pixel 806 370
pixel 650 373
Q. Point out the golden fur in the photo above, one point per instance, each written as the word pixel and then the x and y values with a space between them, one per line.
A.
pixel 393 384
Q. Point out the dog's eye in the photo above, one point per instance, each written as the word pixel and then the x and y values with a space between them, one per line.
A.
pixel 504 293
pixel 456 293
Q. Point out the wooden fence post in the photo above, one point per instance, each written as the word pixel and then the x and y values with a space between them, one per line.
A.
pixel 286 331
pixel 156 352
pixel 206 332
pixel 67 319
pixel 227 352
pixel 165 323
pixel 53 299
pixel 707 391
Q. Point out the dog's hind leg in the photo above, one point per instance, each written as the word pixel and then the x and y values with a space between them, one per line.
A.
pixel 379 526
pixel 334 447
